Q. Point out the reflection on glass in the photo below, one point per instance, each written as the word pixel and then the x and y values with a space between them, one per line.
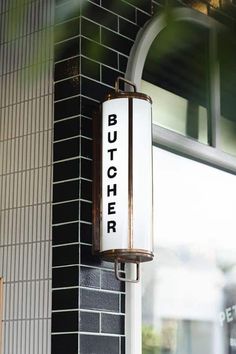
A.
pixel 227 54
pixel 189 290
pixel 175 75
pixel 171 111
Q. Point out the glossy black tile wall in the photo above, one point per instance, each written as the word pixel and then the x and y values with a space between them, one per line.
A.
pixel 114 324
pixel 93 40
pixel 66 149
pixel 65 255
pixel 90 277
pixel 67 108
pixel 65 212
pixel 99 344
pixel 65 233
pixel 66 68
pixel 67 49
pixel 61 343
pixel 99 300
pixel 65 299
pixel 65 191
pixel 66 128
pixel 66 170
pixel 89 322
pixel 65 277
pixel 99 15
pixel 99 53
pixel 66 321
pixel 120 8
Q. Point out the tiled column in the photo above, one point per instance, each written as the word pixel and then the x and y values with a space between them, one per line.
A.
pixel 92 44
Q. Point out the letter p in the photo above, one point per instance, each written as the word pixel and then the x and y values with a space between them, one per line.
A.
pixel 222 318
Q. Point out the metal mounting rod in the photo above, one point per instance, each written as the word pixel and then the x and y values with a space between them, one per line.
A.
pixel 119 273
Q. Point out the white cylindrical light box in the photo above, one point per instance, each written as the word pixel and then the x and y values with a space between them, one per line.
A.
pixel 126 204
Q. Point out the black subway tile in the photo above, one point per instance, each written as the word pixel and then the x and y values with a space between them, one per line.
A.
pixel 86 168
pixel 66 68
pixel 67 49
pixel 113 324
pixel 122 345
pixel 122 303
pixel 109 76
pixel 109 282
pixel 66 30
pixel 90 29
pixel 86 190
pixel 88 107
pixel 94 89
pixel 99 300
pixel 66 170
pixel 121 8
pixel 89 322
pixel 65 255
pixel 86 127
pixel 142 18
pixel 65 233
pixel 67 11
pixel 98 344
pixel 67 108
pixel 122 63
pixel 67 88
pixel 61 343
pixel 66 149
pixel 65 277
pixel 65 321
pixel 86 148
pixel 65 299
pixel 100 15
pixel 65 191
pixel 90 68
pixel 127 28
pixel 65 212
pixel 89 277
pixel 143 5
pixel 85 233
pixel 116 41
pixel 87 258
pixel 66 128
pixel 86 211
pixel 98 52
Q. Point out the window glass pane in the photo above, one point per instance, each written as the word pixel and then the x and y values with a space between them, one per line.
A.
pixel 227 54
pixel 189 290
pixel 176 77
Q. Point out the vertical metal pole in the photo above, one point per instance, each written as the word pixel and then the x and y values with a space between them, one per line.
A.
pixel 133 318
pixel 214 91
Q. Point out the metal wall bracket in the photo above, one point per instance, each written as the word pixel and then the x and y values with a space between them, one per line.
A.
pixel 121 274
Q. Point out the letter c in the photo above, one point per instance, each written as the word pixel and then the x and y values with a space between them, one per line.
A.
pixel 111 174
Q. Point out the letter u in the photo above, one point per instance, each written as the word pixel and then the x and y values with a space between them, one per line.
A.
pixel 112 139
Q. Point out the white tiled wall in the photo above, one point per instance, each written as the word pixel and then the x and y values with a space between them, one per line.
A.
pixel 26 104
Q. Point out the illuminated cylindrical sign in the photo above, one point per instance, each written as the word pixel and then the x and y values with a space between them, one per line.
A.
pixel 125 203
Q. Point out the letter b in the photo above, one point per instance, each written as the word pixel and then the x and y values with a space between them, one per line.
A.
pixel 112 119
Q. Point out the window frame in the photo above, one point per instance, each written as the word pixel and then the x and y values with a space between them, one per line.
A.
pixel 172 141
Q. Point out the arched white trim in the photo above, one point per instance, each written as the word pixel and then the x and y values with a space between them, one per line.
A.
pixel 149 32
pixel 163 137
